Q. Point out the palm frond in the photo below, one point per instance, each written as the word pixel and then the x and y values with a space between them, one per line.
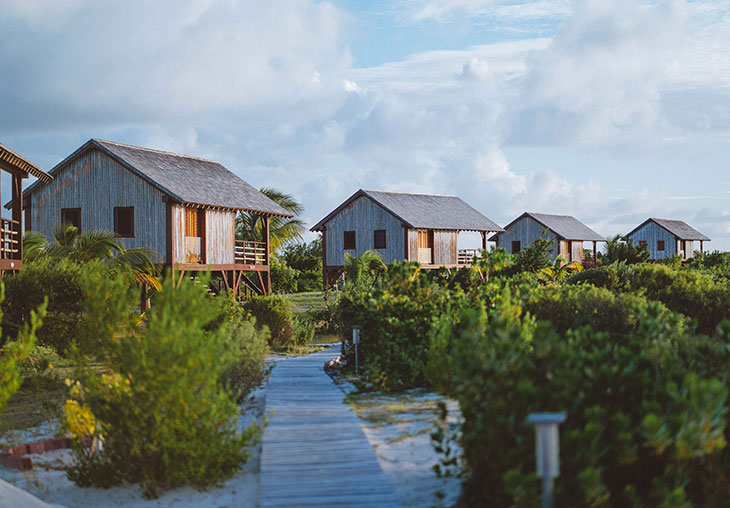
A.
pixel 34 246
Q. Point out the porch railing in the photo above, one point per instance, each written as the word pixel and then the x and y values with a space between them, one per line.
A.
pixel 467 256
pixel 250 253
pixel 9 239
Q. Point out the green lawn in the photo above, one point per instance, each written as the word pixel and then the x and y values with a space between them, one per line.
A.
pixel 311 299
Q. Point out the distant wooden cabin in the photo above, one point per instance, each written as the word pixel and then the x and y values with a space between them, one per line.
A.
pixel 567 233
pixel 11 231
pixel 180 206
pixel 665 238
pixel 400 226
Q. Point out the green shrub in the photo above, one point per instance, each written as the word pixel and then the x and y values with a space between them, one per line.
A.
pixel 534 257
pixel 619 250
pixel 275 313
pixel 605 276
pixel 571 307
pixel 58 280
pixel 283 278
pixel 689 292
pixel 645 415
pixel 161 404
pixel 250 348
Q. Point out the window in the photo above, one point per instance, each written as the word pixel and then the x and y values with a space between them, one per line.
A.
pixel 124 221
pixel 516 246
pixel 379 238
pixel 194 221
pixel 425 239
pixel 349 240
pixel 71 216
pixel 660 245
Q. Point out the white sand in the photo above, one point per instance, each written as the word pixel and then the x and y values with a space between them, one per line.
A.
pixel 398 428
pixel 47 480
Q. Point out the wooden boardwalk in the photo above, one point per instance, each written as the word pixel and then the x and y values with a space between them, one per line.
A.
pixel 314 452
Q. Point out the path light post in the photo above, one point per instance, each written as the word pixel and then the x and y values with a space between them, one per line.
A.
pixel 356 341
pixel 547 449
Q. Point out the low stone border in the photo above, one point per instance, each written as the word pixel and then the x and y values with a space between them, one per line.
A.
pixel 13 457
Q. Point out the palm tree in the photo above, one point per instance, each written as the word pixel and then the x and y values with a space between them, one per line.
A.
pixel 98 244
pixel 282 230
pixel 369 263
pixel 559 270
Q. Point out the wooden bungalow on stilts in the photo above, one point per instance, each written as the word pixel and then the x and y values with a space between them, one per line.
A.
pixel 566 232
pixel 665 238
pixel 400 226
pixel 11 231
pixel 180 206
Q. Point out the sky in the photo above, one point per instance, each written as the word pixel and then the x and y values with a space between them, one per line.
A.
pixel 612 111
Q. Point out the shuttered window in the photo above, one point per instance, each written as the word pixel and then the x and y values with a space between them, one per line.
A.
pixel 124 221
pixel 71 216
pixel 349 240
pixel 379 238
pixel 516 247
pixel 425 239
pixel 193 219
pixel 660 245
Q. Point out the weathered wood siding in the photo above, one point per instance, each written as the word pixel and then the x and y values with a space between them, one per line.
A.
pixel 96 183
pixel 364 216
pixel 576 251
pixel 179 246
pixel 525 231
pixel 651 233
pixel 219 236
pixel 445 247
pixel 413 244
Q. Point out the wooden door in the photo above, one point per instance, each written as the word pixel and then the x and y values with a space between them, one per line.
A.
pixel 425 246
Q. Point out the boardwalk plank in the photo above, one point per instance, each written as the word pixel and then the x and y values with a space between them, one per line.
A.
pixel 314 452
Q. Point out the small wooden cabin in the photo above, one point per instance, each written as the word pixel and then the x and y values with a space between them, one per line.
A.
pixel 416 227
pixel 665 238
pixel 180 206
pixel 11 231
pixel 565 231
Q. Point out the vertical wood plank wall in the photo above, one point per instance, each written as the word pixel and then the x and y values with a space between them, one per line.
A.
pixel 178 234
pixel 413 245
pixel 96 183
pixel 576 252
pixel 526 231
pixel 363 216
pixel 220 236
pixel 445 247
pixel 651 233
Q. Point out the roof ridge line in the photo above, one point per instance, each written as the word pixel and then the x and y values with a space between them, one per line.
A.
pixel 413 193
pixel 99 140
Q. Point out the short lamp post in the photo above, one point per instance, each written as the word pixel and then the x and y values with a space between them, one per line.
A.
pixel 355 342
pixel 547 449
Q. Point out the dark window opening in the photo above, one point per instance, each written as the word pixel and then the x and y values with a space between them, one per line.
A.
pixel 71 217
pixel 349 240
pixel 124 221
pixel 379 238
pixel 516 246
pixel 660 245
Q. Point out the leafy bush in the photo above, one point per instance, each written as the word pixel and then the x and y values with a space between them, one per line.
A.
pixel 275 313
pixel 306 260
pixel 58 280
pixel 161 406
pixel 535 256
pixel 605 276
pixel 645 415
pixel 249 347
pixel 690 292
pixel 619 250
pixel 717 264
pixel 283 278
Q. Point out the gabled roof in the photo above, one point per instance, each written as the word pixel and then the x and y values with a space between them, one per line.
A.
pixel 185 179
pixel 565 226
pixel 678 228
pixel 12 159
pixel 423 211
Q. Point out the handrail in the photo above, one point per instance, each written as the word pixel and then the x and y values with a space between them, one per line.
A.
pixel 250 253
pixel 467 256
pixel 9 239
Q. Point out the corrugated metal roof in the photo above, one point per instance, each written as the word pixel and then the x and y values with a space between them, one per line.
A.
pixel 678 228
pixel 15 160
pixel 184 178
pixel 424 211
pixel 565 226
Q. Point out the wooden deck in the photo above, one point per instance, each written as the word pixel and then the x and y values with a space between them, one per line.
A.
pixel 314 452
